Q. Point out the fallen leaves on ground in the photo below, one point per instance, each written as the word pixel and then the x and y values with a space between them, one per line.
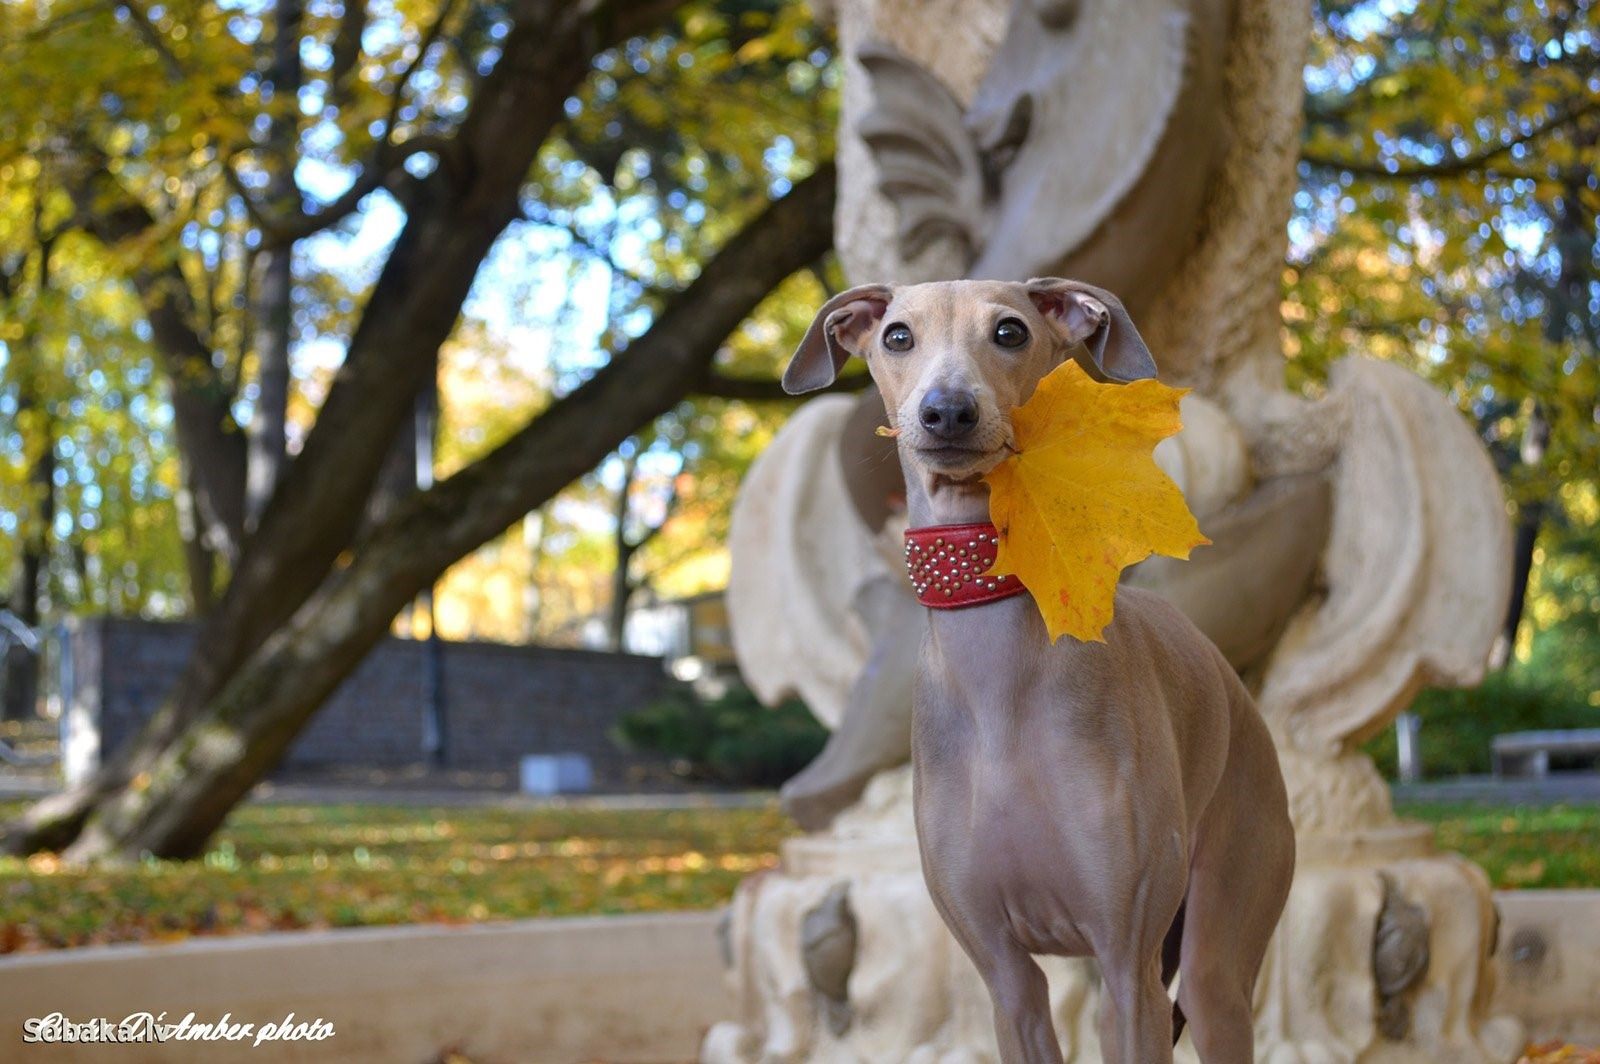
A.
pixel 284 867
pixel 279 867
pixel 1522 848
pixel 1559 1053
pixel 1083 499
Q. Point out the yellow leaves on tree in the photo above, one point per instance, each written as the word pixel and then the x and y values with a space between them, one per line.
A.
pixel 1083 498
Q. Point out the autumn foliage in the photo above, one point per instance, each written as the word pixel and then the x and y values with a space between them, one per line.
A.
pixel 1082 498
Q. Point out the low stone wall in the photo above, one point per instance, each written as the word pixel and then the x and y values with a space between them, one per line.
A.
pixel 621 989
pixel 1548 962
pixel 500 702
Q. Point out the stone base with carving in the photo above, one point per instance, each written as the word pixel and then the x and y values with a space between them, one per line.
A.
pixel 1382 954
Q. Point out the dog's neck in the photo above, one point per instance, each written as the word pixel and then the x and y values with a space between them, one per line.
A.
pixel 946 503
pixel 981 642
pixel 939 501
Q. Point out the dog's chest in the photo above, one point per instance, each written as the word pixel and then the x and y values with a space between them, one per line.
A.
pixel 1034 803
pixel 995 845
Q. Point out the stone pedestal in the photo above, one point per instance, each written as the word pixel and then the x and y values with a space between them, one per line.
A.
pixel 1382 954
pixel 1361 546
pixel 1383 951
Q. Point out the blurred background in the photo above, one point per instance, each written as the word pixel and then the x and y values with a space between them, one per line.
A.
pixel 376 380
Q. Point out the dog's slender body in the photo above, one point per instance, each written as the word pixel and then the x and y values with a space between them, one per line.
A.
pixel 1070 797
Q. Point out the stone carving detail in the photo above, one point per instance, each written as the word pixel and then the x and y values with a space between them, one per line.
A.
pixel 926 163
pixel 1399 958
pixel 1415 566
pixel 828 946
pixel 989 183
pixel 816 645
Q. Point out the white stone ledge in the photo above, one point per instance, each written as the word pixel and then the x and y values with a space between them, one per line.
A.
pixel 1548 962
pixel 637 989
pixel 620 989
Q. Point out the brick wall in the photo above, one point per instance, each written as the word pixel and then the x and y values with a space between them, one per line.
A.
pixel 500 702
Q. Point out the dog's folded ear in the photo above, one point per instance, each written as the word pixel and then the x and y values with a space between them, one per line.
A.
pixel 1093 317
pixel 835 334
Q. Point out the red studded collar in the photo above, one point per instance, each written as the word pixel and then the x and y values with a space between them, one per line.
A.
pixel 947 565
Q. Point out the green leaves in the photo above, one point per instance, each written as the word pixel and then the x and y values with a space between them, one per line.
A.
pixel 80 392
pixel 1447 220
pixel 732 739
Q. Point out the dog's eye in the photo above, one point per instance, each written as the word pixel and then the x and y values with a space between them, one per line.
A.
pixel 1010 333
pixel 897 337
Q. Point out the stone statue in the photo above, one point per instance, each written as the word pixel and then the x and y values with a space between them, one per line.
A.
pixel 1360 544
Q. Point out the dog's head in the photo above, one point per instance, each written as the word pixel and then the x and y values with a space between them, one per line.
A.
pixel 954 358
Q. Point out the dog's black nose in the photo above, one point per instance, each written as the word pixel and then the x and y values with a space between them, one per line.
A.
pixel 948 414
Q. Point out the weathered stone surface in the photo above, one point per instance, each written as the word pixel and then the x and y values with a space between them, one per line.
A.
pixel 914 996
pixel 1417 566
pixel 1361 547
pixel 799 559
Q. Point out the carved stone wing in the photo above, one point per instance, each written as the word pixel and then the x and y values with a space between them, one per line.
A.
pixel 798 556
pixel 1086 150
pixel 927 163
pixel 1070 115
pixel 1417 568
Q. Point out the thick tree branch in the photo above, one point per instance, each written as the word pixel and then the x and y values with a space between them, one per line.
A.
pixel 542 216
pixel 264 703
pixel 453 219
pixel 375 173
pixel 1454 167
pixel 386 156
pixel 346 49
pixel 152 36
pixel 752 389
pixel 430 37
pixel 258 212
pixel 645 380
pixel 273 308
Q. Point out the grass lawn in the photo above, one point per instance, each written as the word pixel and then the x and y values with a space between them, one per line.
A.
pixel 280 867
pixel 1520 847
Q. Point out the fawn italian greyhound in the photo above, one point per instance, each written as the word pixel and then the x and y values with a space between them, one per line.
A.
pixel 1118 799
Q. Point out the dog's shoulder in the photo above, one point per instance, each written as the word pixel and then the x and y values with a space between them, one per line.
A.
pixel 1146 625
pixel 1140 608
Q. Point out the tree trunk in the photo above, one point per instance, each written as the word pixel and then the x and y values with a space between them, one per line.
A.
pixel 624 548
pixel 536 531
pixel 274 320
pixel 1567 297
pixel 408 467
pixel 624 585
pixel 190 768
pixel 622 589
pixel 454 216
pixel 20 663
pixel 199 559
pixel 212 444
pixel 274 292
pixel 1530 520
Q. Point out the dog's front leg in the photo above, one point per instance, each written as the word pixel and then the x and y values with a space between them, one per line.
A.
pixel 1021 999
pixel 1135 1012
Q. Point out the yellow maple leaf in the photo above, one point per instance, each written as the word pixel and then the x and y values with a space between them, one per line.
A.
pixel 1082 498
